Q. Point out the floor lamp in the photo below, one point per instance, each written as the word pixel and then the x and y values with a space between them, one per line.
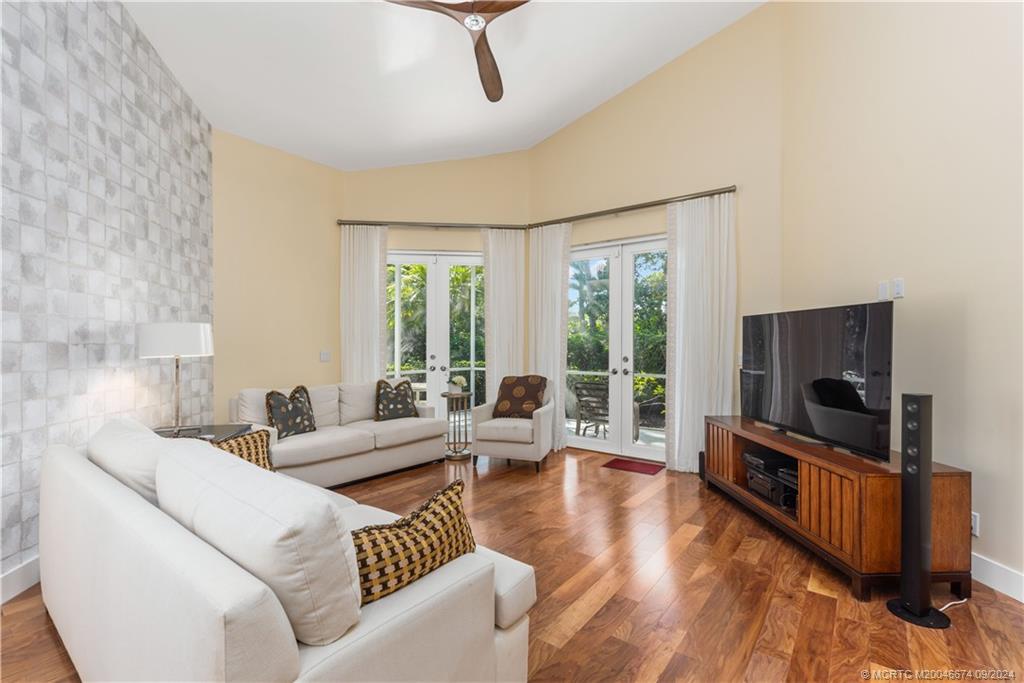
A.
pixel 177 341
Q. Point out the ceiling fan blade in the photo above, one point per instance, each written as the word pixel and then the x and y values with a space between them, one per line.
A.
pixel 495 7
pixel 490 78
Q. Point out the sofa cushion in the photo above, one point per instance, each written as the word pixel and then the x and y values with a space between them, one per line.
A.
pixel 291 414
pixel 356 401
pixel 391 556
pixel 402 430
pixel 252 447
pixel 128 450
pixel 290 536
pixel 252 406
pixel 324 400
pixel 394 401
pixel 323 444
pixel 515 429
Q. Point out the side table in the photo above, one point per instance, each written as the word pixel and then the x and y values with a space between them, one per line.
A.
pixel 211 433
pixel 458 424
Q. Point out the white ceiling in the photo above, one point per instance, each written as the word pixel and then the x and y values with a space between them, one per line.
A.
pixel 359 85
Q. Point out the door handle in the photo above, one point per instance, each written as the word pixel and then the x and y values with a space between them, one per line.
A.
pixel 432 368
pixel 625 371
pixel 615 371
pixel 443 368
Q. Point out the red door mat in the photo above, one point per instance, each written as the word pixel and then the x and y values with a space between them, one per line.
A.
pixel 634 466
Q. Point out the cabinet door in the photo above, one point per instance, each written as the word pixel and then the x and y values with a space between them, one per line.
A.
pixel 718 452
pixel 829 509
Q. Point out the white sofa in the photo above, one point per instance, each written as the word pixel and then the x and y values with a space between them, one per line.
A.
pixel 137 596
pixel 347 444
pixel 513 438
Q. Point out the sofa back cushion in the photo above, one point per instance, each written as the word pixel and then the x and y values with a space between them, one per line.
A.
pixel 357 401
pixel 128 450
pixel 289 535
pixel 252 406
pixel 326 410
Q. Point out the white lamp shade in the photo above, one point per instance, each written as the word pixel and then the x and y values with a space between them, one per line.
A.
pixel 167 340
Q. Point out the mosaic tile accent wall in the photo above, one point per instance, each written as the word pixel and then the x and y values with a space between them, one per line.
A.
pixel 106 216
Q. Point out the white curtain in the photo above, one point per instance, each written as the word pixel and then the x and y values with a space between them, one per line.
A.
pixel 363 324
pixel 701 322
pixel 504 275
pixel 549 303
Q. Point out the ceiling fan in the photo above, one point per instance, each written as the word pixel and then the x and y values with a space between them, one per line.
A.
pixel 475 17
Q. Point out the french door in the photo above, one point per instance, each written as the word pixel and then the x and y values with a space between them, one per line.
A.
pixel 615 379
pixel 435 316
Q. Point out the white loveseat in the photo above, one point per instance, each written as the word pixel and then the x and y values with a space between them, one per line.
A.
pixel 137 596
pixel 347 444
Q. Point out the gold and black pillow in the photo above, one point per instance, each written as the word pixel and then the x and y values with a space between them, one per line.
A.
pixel 253 447
pixel 520 396
pixel 394 555
pixel 290 415
pixel 394 401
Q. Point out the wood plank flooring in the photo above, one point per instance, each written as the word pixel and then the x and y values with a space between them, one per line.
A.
pixel 650 578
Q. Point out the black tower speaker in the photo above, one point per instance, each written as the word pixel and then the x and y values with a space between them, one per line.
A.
pixel 915 604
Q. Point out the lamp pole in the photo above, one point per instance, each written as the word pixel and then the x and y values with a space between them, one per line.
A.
pixel 177 394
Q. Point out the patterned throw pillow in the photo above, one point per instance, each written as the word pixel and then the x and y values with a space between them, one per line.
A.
pixel 253 447
pixel 290 415
pixel 394 555
pixel 520 396
pixel 394 401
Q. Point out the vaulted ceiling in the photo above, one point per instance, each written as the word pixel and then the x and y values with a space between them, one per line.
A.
pixel 358 85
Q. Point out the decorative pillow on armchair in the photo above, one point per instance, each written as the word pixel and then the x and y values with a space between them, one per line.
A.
pixel 520 396
pixel 394 401
pixel 290 415
pixel 390 556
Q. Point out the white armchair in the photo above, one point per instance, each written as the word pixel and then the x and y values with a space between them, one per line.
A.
pixel 513 438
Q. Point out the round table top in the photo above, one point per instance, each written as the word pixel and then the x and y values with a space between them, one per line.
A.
pixel 455 394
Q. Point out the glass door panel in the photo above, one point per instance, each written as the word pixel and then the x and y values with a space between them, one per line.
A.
pixel 466 331
pixel 589 382
pixel 647 337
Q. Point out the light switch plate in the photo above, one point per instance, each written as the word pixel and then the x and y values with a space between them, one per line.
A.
pixel 325 356
pixel 975 524
pixel 883 290
pixel 898 288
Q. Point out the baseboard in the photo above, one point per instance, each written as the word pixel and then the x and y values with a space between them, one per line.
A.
pixel 996 575
pixel 20 579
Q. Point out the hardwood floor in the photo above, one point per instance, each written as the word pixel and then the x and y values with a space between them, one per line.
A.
pixel 651 578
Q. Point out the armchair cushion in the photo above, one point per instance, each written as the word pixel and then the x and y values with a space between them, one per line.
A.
pixel 520 396
pixel 515 429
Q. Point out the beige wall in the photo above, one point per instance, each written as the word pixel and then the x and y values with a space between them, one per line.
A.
pixel 709 119
pixel 275 273
pixel 904 160
pixel 867 142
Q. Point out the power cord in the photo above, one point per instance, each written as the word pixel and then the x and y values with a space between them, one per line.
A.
pixel 952 604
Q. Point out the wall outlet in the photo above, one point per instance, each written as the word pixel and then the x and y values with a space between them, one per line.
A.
pixel 325 356
pixel 883 290
pixel 898 288
pixel 975 524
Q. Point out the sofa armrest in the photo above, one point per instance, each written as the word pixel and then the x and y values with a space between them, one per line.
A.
pixel 270 430
pixel 542 427
pixel 515 587
pixel 425 410
pixel 135 596
pixel 483 413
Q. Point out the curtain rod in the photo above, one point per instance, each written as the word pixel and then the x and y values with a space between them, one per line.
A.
pixel 567 219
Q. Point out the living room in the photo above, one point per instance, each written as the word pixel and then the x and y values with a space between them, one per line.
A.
pixel 327 195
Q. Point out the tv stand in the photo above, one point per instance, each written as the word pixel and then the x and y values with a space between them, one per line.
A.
pixel 848 507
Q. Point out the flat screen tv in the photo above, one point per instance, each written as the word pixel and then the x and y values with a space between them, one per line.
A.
pixel 825 373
